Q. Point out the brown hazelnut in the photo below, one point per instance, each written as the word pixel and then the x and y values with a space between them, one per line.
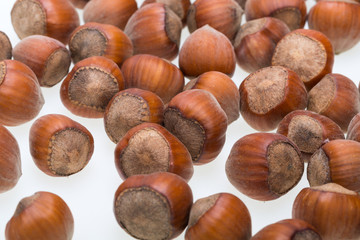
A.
pixel 264 166
pixel 42 216
pixel 149 148
pixel 268 95
pixel 153 74
pixel 337 161
pixel 129 108
pixel 60 146
pixel 222 88
pixel 309 53
pixel 10 161
pixel 309 130
pixel 5 47
pixel 50 62
pixel 354 129
pixel 207 49
pixel 53 18
pixel 20 95
pixel 198 121
pixel 155 29
pixel 292 12
pixel 333 210
pixel 288 229
pixel 219 216
pixel 256 40
pixel 116 13
pixel 96 39
pixel 339 21
pixel 179 7
pixel 154 206
pixel 336 97
pixel 222 15
pixel 89 87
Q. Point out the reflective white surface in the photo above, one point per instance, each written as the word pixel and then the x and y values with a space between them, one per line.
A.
pixel 90 192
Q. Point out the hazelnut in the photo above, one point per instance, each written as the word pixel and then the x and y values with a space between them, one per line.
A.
pixel 222 88
pixel 53 18
pixel 268 95
pixel 219 216
pixel 336 97
pixel 5 47
pixel 292 12
pixel 288 229
pixel 153 74
pixel 60 146
pixel 309 53
pixel 149 148
pixel 333 210
pixel 96 39
pixel 50 62
pixel 89 87
pixel 309 130
pixel 116 13
pixel 129 108
pixel 198 121
pixel 339 21
pixel 207 49
pixel 256 40
pixel 179 7
pixel 20 95
pixel 42 216
pixel 10 161
pixel 222 15
pixel 154 206
pixel 155 29
pixel 337 161
pixel 354 129
pixel 264 166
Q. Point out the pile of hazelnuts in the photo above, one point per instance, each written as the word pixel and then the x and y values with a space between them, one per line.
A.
pixel 162 127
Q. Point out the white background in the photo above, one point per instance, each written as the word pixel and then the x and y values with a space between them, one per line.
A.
pixel 90 193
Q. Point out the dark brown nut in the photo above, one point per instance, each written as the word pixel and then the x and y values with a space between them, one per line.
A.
pixel 335 97
pixel 60 146
pixel 219 216
pixel 309 130
pixel 10 161
pixel 89 87
pixel 154 206
pixel 129 108
pixel 153 74
pixel 222 88
pixel 179 7
pixel 222 15
pixel 289 229
pixel 5 47
pixel 268 95
pixel 155 29
pixel 42 216
pixel 309 53
pixel 339 21
pixel 198 121
pixel 149 148
pixel 292 12
pixel 116 13
pixel 354 129
pixel 20 95
pixel 47 57
pixel 207 49
pixel 96 39
pixel 337 161
pixel 256 40
pixel 333 210
pixel 53 18
pixel 264 166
